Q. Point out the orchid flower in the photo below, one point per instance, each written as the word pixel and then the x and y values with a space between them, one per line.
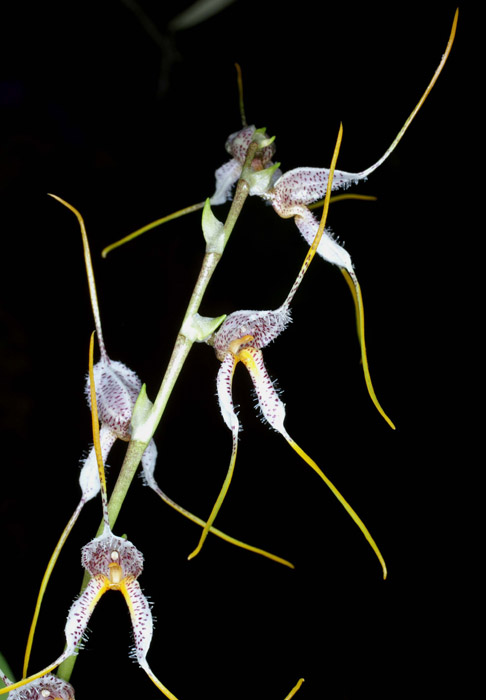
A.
pixel 113 563
pixel 241 338
pixel 47 687
pixel 237 146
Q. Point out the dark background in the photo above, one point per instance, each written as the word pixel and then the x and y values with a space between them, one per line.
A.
pixel 128 127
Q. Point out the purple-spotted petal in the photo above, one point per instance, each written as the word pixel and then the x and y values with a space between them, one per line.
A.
pixel 141 617
pixel 80 613
pixel 272 408
pixel 117 389
pixel 263 326
pixel 238 143
pixel 302 186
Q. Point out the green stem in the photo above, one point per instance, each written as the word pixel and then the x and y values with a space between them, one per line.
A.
pixel 182 346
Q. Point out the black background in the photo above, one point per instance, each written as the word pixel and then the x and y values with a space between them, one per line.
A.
pixel 127 130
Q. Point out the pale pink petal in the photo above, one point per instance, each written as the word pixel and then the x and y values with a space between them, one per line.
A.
pixel 80 613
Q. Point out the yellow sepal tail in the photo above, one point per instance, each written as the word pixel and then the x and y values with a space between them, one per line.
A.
pixel 149 227
pixel 24 681
pixel 219 500
pixel 44 582
pixel 142 661
pixel 294 689
pixel 220 534
pixel 239 78
pixel 341 500
pixel 342 198
pixel 353 284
